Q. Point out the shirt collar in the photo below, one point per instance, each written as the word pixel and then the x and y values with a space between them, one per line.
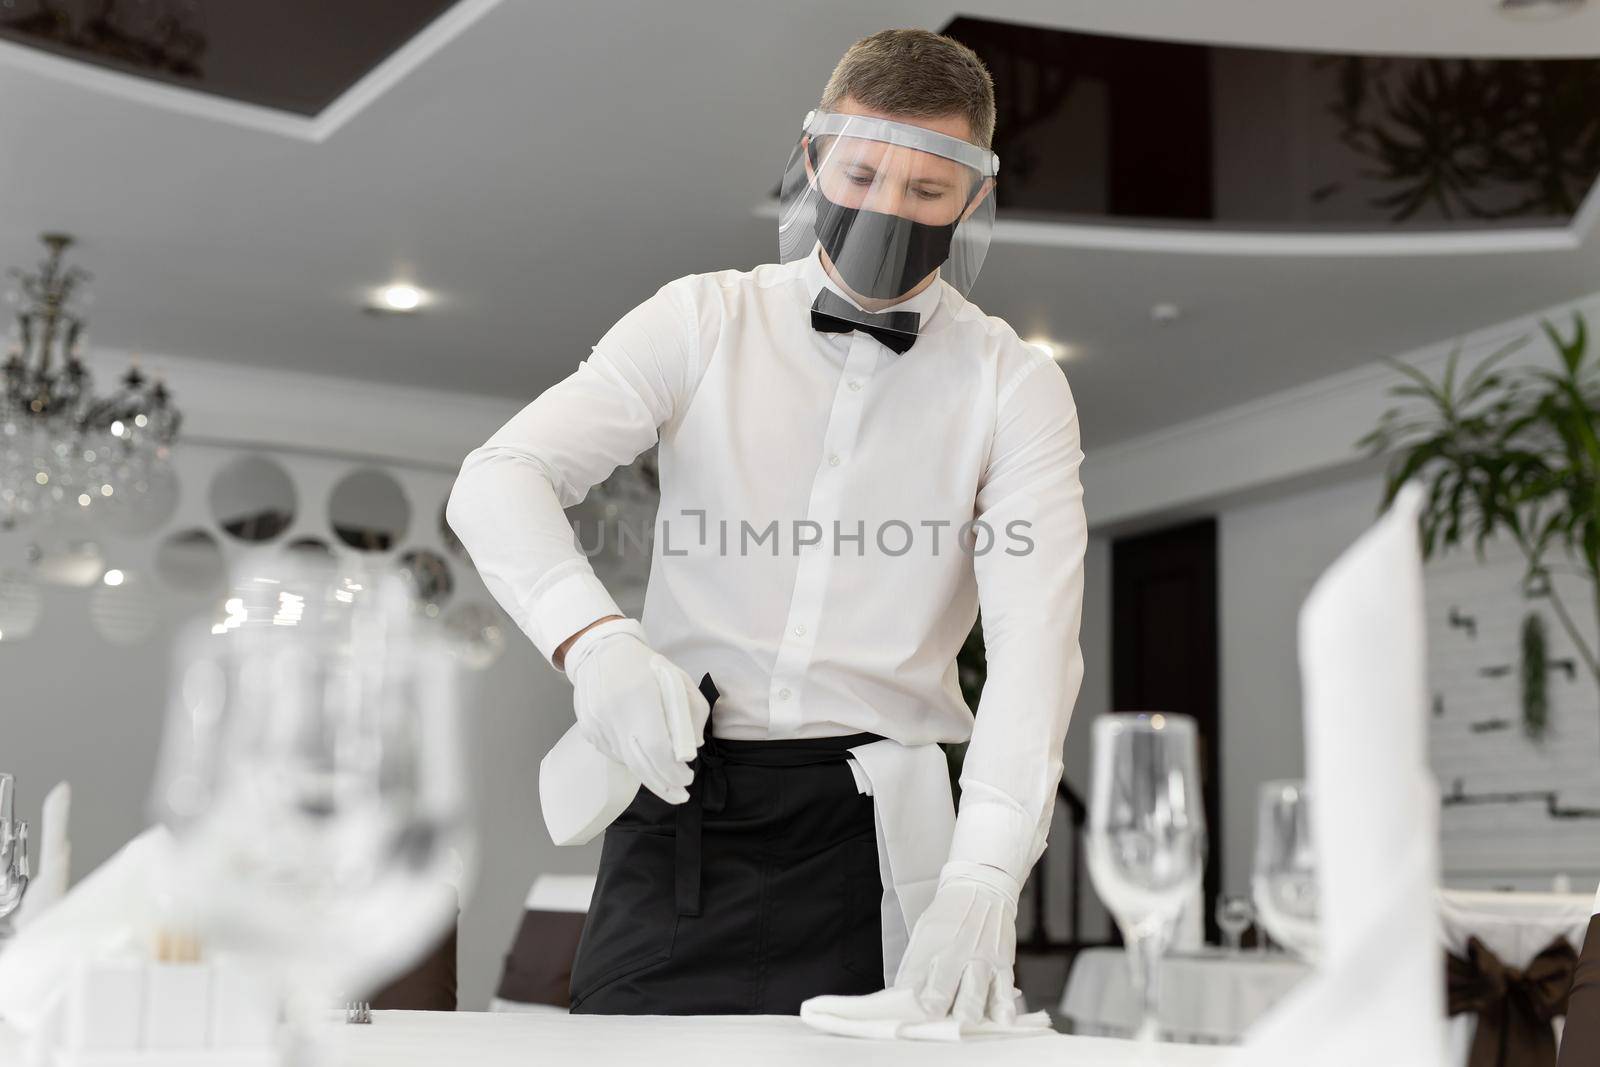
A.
pixel 816 277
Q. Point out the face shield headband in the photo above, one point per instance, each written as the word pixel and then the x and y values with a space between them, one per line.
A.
pixel 889 203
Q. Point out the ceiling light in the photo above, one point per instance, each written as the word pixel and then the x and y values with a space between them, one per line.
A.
pixel 113 577
pixel 1165 313
pixel 1057 351
pixel 398 297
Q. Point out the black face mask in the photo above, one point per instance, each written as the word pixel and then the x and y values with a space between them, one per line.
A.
pixel 879 255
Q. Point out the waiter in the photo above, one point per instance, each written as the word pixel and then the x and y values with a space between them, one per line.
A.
pixel 853 458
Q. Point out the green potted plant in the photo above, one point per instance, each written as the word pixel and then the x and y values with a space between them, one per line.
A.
pixel 1511 453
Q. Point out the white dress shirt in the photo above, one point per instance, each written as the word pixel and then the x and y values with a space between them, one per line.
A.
pixel 806 549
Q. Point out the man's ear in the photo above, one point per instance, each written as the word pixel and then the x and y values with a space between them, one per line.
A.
pixel 977 198
pixel 809 147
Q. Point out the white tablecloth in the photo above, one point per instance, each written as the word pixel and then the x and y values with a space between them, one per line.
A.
pixel 1206 996
pixel 481 1039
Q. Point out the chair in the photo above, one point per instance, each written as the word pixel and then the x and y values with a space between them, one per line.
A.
pixel 1511 954
pixel 1580 1041
pixel 537 975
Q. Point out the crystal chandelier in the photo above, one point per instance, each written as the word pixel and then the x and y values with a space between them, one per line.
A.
pixel 67 455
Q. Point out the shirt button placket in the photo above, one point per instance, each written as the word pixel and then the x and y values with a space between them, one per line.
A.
pixel 815 565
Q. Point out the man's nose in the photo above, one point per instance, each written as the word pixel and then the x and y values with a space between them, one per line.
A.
pixel 886 198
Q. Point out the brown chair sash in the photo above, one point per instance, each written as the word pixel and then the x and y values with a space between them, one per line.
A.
pixel 1514 1006
pixel 1580 1039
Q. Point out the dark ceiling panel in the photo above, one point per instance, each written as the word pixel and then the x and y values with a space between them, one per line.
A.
pixel 1096 125
pixel 289 55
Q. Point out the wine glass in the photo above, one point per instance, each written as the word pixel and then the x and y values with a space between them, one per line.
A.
pixel 13 855
pixel 312 778
pixel 1284 882
pixel 1234 916
pixel 1146 837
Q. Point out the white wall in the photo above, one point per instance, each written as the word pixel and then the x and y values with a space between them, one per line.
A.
pixel 1269 554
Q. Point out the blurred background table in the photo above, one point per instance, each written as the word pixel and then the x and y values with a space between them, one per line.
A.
pixel 1207 996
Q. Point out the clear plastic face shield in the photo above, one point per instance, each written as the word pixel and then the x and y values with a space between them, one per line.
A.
pixel 890 203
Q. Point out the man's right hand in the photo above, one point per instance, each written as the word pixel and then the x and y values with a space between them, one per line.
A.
pixel 636 706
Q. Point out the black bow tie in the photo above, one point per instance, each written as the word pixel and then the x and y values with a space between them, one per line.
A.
pixel 832 313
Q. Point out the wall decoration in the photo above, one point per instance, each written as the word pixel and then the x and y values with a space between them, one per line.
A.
pixel 190 561
pixel 253 499
pixel 369 511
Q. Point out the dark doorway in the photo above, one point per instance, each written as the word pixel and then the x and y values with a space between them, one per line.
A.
pixel 1164 650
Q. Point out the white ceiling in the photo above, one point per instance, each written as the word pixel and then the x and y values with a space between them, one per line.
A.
pixel 554 164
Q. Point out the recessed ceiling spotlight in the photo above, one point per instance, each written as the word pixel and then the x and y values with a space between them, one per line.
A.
pixel 1538 9
pixel 399 297
pixel 1056 349
pixel 1165 313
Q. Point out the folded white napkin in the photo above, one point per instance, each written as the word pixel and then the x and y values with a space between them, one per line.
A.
pixel 52 867
pixel 894 1013
pixel 1377 993
pixel 108 910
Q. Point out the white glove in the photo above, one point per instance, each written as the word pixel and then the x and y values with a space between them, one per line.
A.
pixel 961 956
pixel 636 707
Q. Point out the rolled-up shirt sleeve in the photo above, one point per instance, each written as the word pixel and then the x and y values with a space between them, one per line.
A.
pixel 506 504
pixel 1030 591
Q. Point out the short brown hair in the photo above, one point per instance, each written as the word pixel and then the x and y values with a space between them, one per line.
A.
pixel 916 73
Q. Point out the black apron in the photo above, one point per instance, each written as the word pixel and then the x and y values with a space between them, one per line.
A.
pixel 758 892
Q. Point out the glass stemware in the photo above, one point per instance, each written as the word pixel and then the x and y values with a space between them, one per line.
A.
pixel 312 777
pixel 1146 837
pixel 1234 916
pixel 1284 882
pixel 14 869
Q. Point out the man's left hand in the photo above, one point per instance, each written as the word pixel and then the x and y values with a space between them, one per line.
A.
pixel 961 955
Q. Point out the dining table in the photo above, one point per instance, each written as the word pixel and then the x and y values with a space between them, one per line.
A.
pixel 493 1039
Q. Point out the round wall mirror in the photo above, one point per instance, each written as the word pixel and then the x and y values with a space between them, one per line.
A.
pixel 369 511
pixel 190 561
pixel 253 499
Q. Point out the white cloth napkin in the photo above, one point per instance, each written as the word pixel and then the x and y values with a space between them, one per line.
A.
pixel 108 910
pixel 894 1014
pixel 1377 993
pixel 52 869
pixel 915 819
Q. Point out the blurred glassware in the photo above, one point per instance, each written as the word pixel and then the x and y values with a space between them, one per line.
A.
pixel 1234 916
pixel 1284 882
pixel 14 869
pixel 1146 837
pixel 475 635
pixel 312 776
pixel 430 577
